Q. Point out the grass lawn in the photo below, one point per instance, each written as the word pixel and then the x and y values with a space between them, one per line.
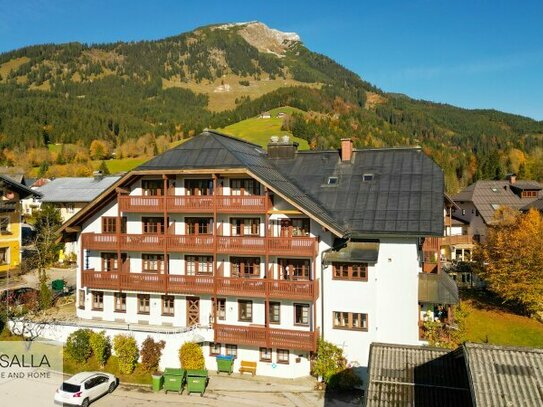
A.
pixel 259 131
pixel 488 321
pixel 123 164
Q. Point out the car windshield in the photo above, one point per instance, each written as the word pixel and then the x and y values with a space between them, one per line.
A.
pixel 70 388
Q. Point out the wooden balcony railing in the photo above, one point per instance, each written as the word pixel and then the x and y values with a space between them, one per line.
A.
pixel 182 284
pixel 193 203
pixel 260 336
pixel 458 239
pixel 294 246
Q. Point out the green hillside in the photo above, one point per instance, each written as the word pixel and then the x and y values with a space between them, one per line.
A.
pixel 223 76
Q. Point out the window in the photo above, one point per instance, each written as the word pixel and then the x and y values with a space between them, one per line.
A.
pixel 109 262
pixel 220 308
pixel 109 224
pixel 529 194
pixel 214 348
pixel 4 255
pixel 198 187
pixel 294 227
pixel 152 263
pixel 332 181
pixel 301 314
pixel 152 224
pixel 70 208
pixel 350 320
pixel 97 300
pixel 283 356
pixel 231 350
pixel 81 299
pixel 265 354
pixel 152 187
pixel 120 302
pixel 144 301
pixel 294 269
pixel 463 211
pixel 245 310
pixel 198 265
pixel 495 206
pixel 348 271
pixel 275 313
pixel 167 305
pixel 246 186
pixel 245 226
pixel 199 226
pixel 4 225
pixel 245 267
pixel 367 177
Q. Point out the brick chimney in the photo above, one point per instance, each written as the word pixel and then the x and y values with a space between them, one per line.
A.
pixel 346 149
pixel 512 178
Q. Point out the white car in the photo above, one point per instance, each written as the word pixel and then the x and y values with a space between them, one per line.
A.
pixel 81 389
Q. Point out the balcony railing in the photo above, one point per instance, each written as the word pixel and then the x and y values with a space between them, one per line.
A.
pixel 193 203
pixel 295 246
pixel 183 284
pixel 457 239
pixel 261 336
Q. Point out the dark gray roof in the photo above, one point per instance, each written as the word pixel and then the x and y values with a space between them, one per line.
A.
pixel 405 196
pixel 75 189
pixel 505 376
pixel 479 375
pixel 537 204
pixel 403 375
pixel 406 193
pixel 487 196
pixel 354 252
pixel 21 189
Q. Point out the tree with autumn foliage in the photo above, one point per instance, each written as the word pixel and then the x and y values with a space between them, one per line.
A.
pixel 511 259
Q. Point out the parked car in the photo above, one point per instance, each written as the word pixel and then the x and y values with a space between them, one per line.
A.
pixel 18 295
pixel 85 387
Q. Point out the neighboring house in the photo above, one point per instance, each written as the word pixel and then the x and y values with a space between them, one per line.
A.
pixel 474 375
pixel 537 204
pixel 270 250
pixel 478 202
pixel 11 193
pixel 280 115
pixel 265 115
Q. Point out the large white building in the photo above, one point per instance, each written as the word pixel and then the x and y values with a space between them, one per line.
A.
pixel 268 250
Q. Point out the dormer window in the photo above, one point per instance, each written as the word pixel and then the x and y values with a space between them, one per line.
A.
pixel 367 177
pixel 333 180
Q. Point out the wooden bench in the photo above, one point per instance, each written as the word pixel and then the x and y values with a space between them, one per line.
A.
pixel 248 367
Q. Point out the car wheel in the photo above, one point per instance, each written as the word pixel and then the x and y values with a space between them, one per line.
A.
pixel 112 387
pixel 85 403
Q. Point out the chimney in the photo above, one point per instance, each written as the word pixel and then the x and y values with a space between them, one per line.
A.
pixel 98 175
pixel 281 147
pixel 346 149
pixel 512 178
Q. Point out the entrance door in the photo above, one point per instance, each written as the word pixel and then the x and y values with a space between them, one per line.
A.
pixel 193 311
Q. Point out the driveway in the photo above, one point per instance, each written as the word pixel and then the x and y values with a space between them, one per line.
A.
pixel 31 279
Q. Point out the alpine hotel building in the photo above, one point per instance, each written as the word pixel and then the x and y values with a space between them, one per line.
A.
pixel 267 250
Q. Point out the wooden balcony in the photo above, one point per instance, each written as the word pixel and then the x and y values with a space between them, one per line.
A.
pixel 259 336
pixel 193 203
pixel 249 245
pixel 182 284
pixel 457 240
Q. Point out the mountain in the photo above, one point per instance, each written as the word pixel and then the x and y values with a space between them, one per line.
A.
pixel 217 75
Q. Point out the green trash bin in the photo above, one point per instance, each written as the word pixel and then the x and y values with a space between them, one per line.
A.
pixel 174 380
pixel 57 285
pixel 225 364
pixel 196 381
pixel 158 382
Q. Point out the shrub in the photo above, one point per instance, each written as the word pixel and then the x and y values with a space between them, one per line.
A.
pixel 244 82
pixel 345 380
pixel 101 346
pixel 78 345
pixel 329 361
pixel 151 352
pixel 127 352
pixel 191 356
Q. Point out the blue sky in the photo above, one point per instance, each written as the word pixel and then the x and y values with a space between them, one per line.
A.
pixel 476 53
